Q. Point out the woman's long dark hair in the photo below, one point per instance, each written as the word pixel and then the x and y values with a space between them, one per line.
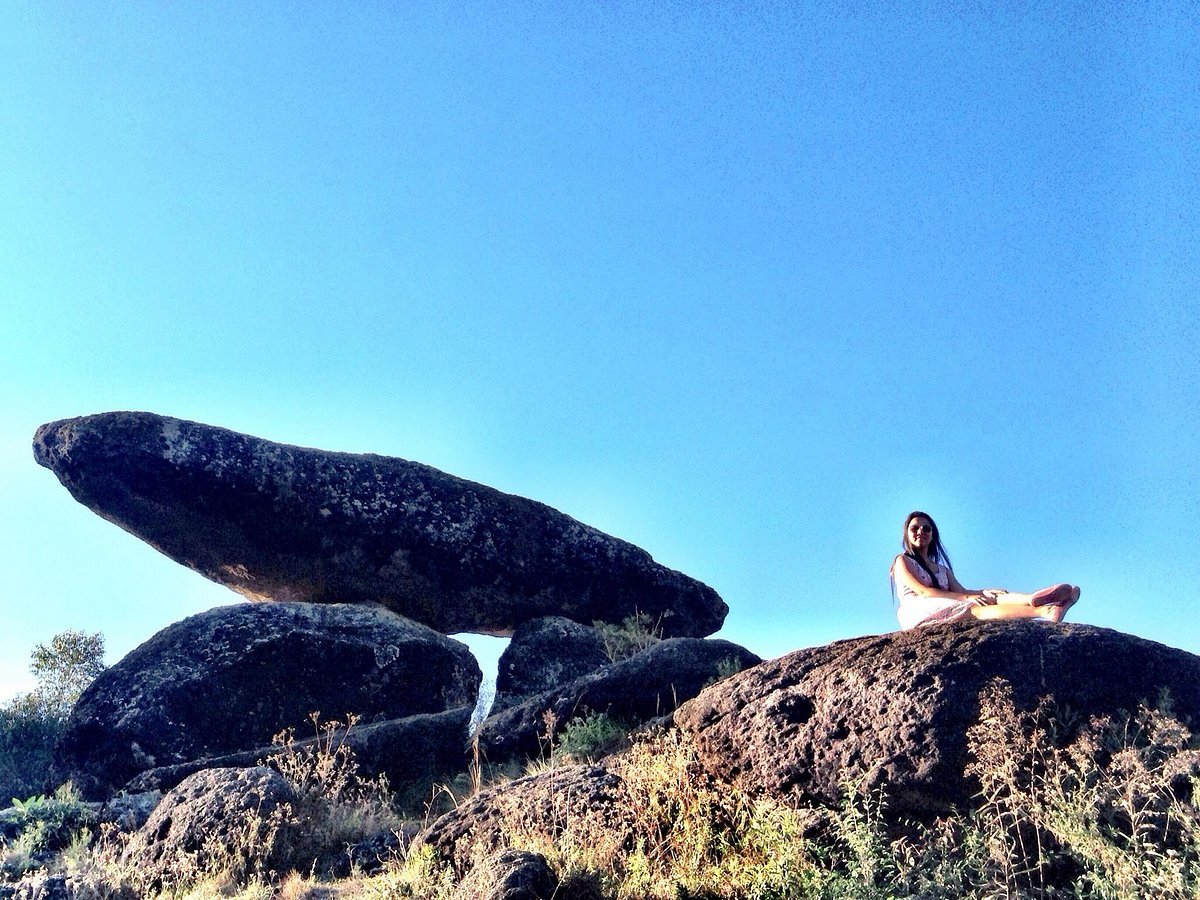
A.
pixel 937 551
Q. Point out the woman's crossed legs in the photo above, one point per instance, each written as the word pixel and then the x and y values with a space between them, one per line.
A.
pixel 1049 603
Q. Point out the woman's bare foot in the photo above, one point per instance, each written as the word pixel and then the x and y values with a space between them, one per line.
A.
pixel 1057 612
pixel 1055 594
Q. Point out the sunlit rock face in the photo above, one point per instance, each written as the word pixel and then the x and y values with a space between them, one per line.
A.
pixel 893 711
pixel 277 522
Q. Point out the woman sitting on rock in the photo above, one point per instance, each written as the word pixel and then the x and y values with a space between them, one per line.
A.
pixel 924 583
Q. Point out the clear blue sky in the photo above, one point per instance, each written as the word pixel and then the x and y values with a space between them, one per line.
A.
pixel 740 283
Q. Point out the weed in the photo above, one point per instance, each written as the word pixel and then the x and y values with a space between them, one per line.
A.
pixel 589 738
pixel 635 634
pixel 726 668
pixel 416 875
pixel 1112 812
pixel 338 806
pixel 47 826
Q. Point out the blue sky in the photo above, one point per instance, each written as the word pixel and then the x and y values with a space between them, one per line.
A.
pixel 741 283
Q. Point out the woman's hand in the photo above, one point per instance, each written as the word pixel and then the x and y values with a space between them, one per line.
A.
pixel 993 594
pixel 984 598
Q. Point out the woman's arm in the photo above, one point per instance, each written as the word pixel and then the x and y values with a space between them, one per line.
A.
pixel 988 594
pixel 903 574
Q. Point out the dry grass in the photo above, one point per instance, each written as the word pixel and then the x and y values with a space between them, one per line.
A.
pixel 1109 813
pixel 635 634
pixel 1112 812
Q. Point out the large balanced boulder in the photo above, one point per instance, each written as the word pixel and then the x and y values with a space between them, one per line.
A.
pixel 233 677
pixel 646 686
pixel 277 522
pixel 545 653
pixel 893 711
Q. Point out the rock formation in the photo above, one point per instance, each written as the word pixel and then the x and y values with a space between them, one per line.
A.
pixel 509 875
pixel 895 709
pixel 231 678
pixel 542 807
pixel 545 653
pixel 217 811
pixel 412 753
pixel 635 690
pixel 277 522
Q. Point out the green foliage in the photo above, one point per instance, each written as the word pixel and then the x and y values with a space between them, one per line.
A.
pixel 31 724
pixel 27 739
pixel 45 826
pixel 632 636
pixel 589 738
pixel 64 668
pixel 416 875
pixel 726 668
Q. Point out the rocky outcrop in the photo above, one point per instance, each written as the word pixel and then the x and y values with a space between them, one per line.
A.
pixel 411 753
pixel 646 686
pixel 211 815
pixel 538 808
pixel 231 678
pixel 545 653
pixel 277 522
pixel 895 709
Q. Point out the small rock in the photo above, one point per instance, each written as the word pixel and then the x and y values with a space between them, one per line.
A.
pixel 130 812
pixel 545 653
pixel 636 690
pixel 218 818
pixel 583 799
pixel 509 875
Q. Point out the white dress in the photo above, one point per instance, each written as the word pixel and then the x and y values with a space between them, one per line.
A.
pixel 916 610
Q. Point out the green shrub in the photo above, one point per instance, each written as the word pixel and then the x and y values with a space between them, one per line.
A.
pixel 635 634
pixel 31 724
pixel 414 875
pixel 589 738
pixel 27 738
pixel 726 668
pixel 46 826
